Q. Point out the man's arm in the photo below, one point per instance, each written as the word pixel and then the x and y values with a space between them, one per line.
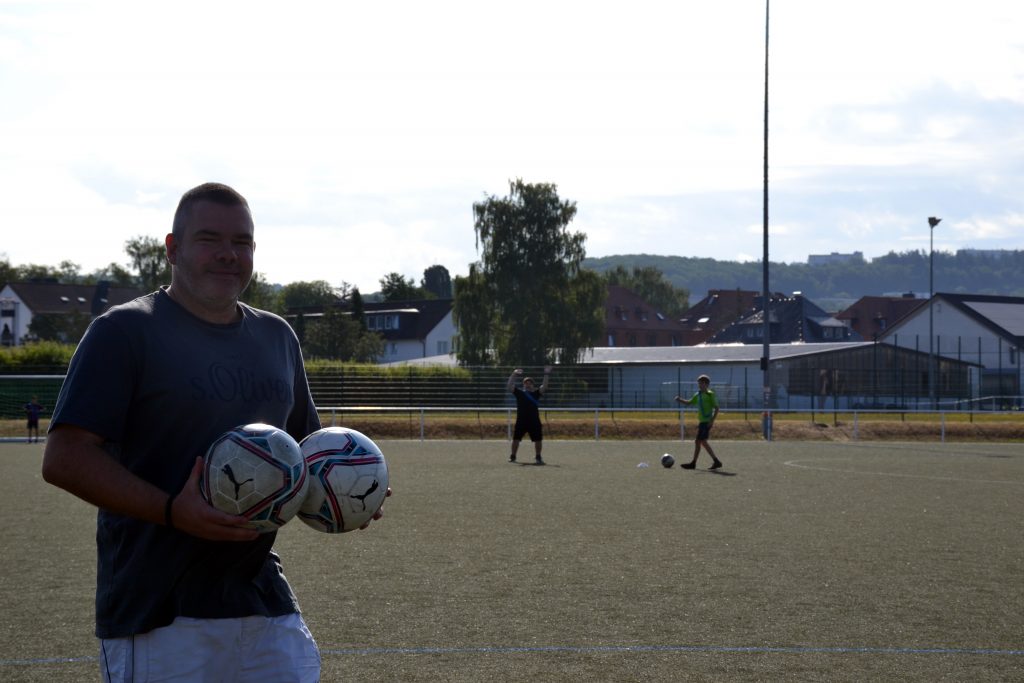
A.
pixel 547 375
pixel 74 460
pixel 685 401
pixel 511 386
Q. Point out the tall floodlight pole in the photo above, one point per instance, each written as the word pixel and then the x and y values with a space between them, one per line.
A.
pixel 932 222
pixel 765 295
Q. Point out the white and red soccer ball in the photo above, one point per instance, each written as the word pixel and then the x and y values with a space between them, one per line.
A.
pixel 348 480
pixel 256 471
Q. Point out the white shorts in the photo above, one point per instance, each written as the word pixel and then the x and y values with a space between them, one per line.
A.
pixel 246 650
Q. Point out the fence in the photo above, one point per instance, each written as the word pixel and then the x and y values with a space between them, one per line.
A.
pixel 596 388
pixel 17 390
pixel 571 388
pixel 974 419
pixel 841 383
pixel 479 423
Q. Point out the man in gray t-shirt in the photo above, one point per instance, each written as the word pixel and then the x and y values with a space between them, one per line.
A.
pixel 151 385
pixel 157 418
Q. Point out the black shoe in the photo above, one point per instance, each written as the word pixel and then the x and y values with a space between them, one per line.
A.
pixel 718 463
pixel 538 461
pixel 511 458
pixel 689 465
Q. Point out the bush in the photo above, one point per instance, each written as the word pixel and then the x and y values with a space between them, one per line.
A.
pixel 335 384
pixel 41 357
pixel 319 366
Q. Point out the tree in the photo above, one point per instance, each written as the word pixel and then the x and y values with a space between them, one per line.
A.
pixel 149 259
pixel 395 287
pixel 69 272
pixel 473 311
pixel 358 309
pixel 300 327
pixel 42 273
pixel 651 285
pixel 335 335
pixel 66 272
pixel 316 293
pixel 116 274
pixel 262 294
pixel 529 300
pixel 577 317
pixel 8 273
pixel 67 328
pixel 437 281
pixel 367 348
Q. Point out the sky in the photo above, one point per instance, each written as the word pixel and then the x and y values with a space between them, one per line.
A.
pixel 363 133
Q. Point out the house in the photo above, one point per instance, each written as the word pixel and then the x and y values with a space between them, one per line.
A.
pixel 20 302
pixel 791 319
pixel 984 329
pixel 412 329
pixel 870 316
pixel 631 321
pixel 712 314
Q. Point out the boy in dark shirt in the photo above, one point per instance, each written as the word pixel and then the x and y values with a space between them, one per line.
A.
pixel 528 412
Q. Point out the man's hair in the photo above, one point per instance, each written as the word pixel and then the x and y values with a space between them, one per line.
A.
pixel 218 193
pixel 704 378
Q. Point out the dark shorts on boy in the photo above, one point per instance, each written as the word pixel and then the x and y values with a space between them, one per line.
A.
pixel 703 431
pixel 533 428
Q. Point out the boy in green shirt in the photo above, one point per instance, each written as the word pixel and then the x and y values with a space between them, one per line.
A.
pixel 707 411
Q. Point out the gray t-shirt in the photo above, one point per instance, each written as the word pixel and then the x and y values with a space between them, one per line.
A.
pixel 159 385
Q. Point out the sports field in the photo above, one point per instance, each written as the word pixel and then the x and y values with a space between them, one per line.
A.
pixel 799 561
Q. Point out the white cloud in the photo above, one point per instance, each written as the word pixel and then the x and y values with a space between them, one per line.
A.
pixel 368 130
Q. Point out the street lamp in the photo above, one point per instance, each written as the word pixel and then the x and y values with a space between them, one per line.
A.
pixel 932 222
pixel 766 419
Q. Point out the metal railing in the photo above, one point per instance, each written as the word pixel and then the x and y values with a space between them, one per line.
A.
pixel 425 422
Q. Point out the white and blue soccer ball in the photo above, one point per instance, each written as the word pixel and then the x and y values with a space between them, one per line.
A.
pixel 667 461
pixel 256 471
pixel 348 479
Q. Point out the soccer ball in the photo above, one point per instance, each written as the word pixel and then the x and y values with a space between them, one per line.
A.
pixel 667 461
pixel 256 471
pixel 348 479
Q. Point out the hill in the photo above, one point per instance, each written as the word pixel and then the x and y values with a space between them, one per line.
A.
pixel 1001 273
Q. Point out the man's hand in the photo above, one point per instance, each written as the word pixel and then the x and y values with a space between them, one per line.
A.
pixel 191 514
pixel 511 385
pixel 380 511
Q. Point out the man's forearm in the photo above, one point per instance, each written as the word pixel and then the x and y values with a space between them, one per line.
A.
pixel 76 462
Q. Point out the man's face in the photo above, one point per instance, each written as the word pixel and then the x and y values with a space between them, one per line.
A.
pixel 213 261
pixel 703 385
pixel 528 384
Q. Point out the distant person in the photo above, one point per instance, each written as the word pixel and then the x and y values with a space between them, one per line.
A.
pixel 33 409
pixel 185 592
pixel 528 413
pixel 707 411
